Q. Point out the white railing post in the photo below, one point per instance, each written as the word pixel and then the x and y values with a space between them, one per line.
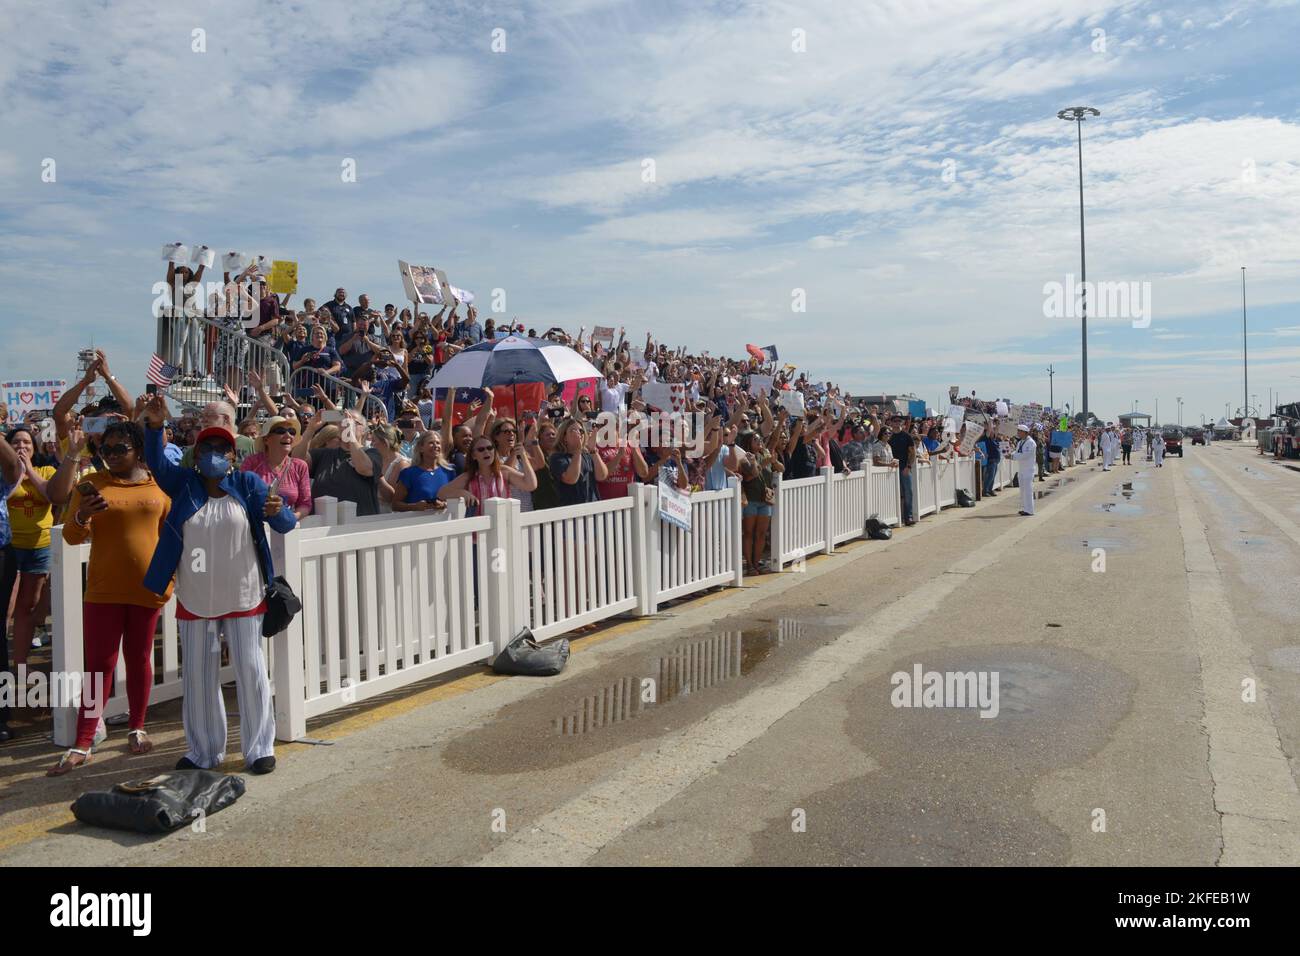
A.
pixel 501 550
pixel 642 557
pixel 867 472
pixel 737 532
pixel 774 526
pixel 347 513
pixel 828 512
pixel 654 549
pixel 67 654
pixel 934 478
pixel 328 508
pixel 290 684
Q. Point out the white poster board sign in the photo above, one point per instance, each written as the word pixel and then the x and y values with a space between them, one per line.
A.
pixel 759 385
pixel 792 402
pixel 675 505
pixel 25 396
pixel 667 397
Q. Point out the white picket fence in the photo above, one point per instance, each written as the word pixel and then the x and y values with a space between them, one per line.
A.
pixel 812 515
pixel 393 599
pixel 389 600
pixel 925 494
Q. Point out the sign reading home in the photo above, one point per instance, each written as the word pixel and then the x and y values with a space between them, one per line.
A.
pixel 37 395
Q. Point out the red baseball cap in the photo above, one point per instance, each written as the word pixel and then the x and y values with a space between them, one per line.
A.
pixel 216 431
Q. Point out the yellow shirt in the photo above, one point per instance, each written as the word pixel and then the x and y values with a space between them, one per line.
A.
pixel 30 514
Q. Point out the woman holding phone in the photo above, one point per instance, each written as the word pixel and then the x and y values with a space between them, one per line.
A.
pixel 288 477
pixel 214 543
pixel 120 511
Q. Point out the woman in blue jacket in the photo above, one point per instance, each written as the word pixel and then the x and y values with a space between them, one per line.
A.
pixel 211 543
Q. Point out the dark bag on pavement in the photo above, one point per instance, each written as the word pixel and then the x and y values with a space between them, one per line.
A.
pixel 877 530
pixel 525 656
pixel 159 804
pixel 964 500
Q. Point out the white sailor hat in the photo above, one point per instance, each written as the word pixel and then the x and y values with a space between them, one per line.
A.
pixel 1022 427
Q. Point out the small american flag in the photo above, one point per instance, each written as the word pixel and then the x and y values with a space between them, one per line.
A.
pixel 159 372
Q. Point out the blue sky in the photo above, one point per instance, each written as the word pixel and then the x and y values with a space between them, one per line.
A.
pixel 905 169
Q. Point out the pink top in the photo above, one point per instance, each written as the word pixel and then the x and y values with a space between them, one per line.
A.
pixel 295 487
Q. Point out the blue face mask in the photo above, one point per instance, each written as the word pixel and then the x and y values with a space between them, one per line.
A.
pixel 212 465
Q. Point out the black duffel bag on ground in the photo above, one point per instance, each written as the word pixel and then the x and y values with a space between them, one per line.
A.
pixel 877 530
pixel 159 804
pixel 526 657
pixel 964 500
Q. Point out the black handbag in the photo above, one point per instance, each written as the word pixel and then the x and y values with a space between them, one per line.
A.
pixel 281 603
pixel 160 804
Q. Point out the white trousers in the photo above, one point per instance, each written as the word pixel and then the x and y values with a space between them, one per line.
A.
pixel 204 709
pixel 1159 454
pixel 1027 487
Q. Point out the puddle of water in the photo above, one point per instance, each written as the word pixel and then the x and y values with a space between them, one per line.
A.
pixel 952 787
pixel 690 668
pixel 1110 543
pixel 1119 508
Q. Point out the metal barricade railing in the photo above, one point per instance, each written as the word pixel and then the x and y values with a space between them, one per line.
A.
pixel 210 356
pixel 342 393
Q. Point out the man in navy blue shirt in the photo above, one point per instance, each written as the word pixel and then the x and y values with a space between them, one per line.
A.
pixel 341 311
pixel 993 454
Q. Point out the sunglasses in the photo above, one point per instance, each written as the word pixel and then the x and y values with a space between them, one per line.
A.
pixel 406 423
pixel 506 431
pixel 282 431
pixel 112 451
pixel 484 450
pixel 220 449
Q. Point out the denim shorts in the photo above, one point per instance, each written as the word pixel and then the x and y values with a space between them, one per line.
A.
pixel 756 509
pixel 32 560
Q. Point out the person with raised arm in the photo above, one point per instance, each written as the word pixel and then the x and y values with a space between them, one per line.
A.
pixel 122 517
pixel 214 544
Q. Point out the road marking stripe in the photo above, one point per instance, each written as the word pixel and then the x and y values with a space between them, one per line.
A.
pixel 573 832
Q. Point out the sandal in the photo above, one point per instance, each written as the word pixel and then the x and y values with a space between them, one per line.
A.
pixel 139 742
pixel 65 763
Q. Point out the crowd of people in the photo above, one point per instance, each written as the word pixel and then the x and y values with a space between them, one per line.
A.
pixel 149 488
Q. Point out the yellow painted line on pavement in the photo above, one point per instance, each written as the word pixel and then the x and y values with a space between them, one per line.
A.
pixel 26 832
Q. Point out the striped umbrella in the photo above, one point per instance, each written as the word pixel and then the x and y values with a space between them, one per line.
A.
pixel 511 361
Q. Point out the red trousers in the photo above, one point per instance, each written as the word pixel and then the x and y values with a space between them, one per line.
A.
pixel 106 628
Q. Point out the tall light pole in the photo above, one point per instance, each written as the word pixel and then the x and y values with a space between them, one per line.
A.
pixel 1076 115
pixel 1245 372
pixel 1051 393
pixel 1180 411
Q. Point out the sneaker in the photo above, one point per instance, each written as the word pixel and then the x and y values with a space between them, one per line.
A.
pixel 263 765
pixel 36 641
